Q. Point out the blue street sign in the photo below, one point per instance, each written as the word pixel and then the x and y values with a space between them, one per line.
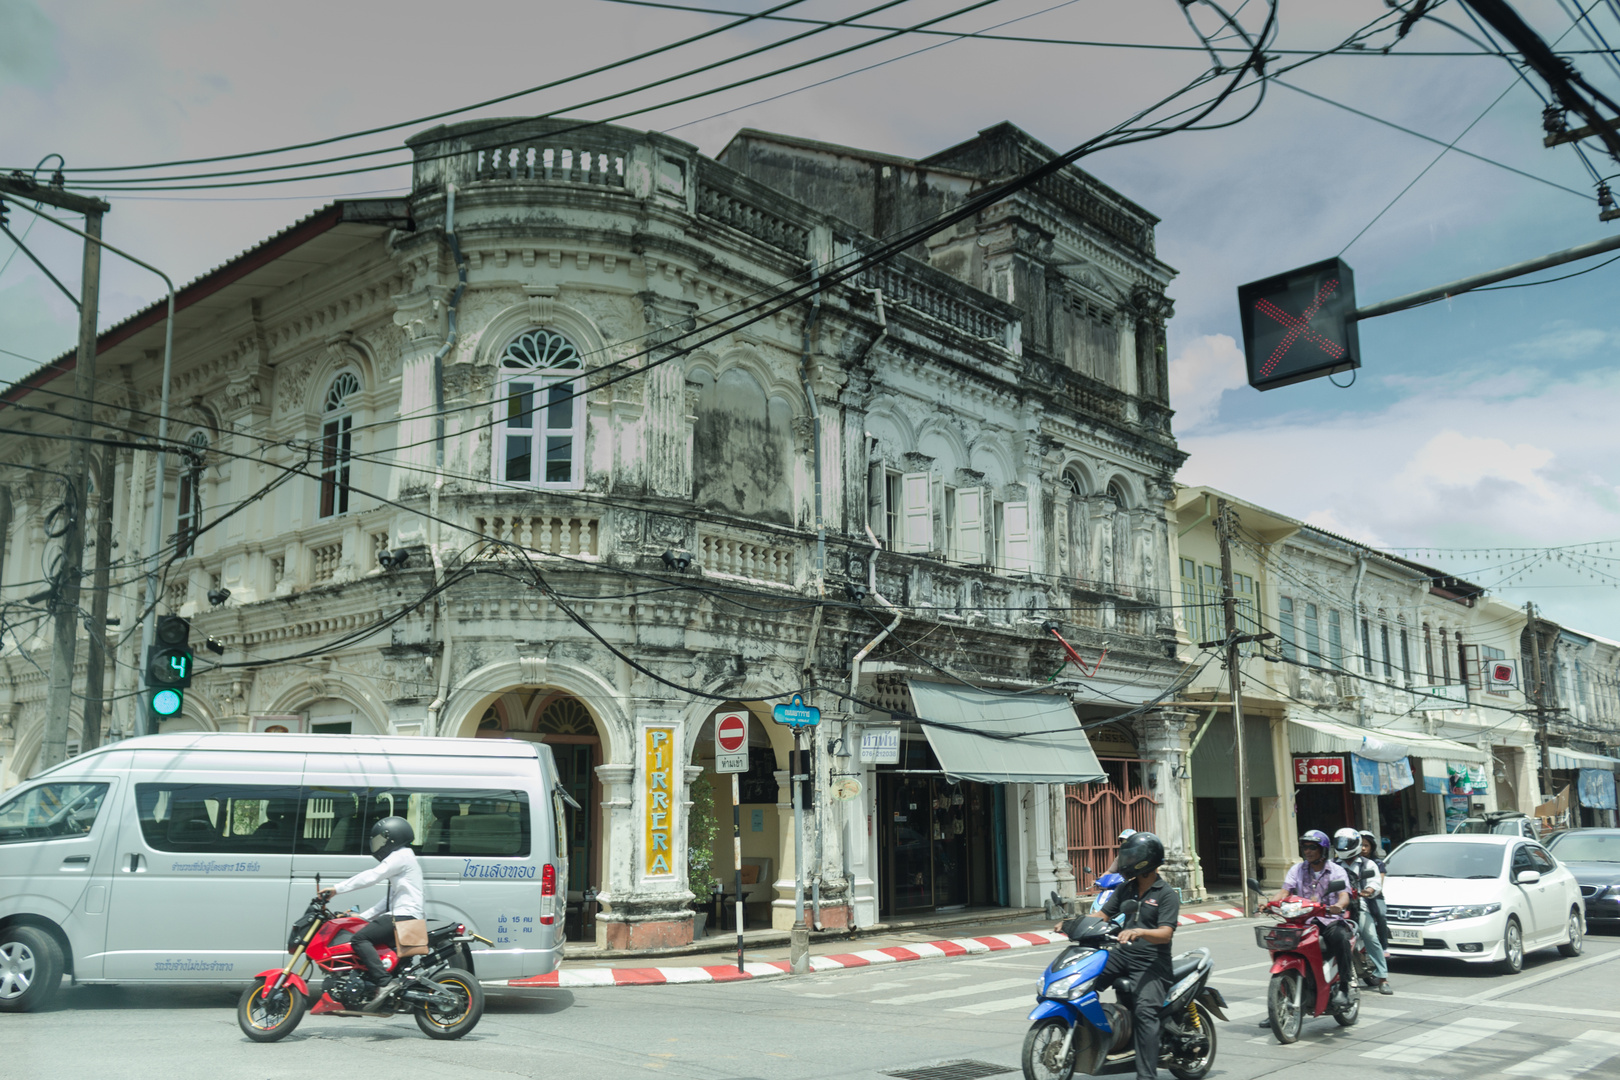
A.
pixel 797 714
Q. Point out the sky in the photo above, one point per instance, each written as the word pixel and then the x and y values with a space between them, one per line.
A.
pixel 1476 425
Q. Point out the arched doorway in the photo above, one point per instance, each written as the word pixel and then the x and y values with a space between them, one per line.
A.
pixel 562 722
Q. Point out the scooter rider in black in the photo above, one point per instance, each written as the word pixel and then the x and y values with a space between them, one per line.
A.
pixel 1144 944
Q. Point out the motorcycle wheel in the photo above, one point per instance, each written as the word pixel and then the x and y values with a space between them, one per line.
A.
pixel 1042 1045
pixel 1348 1015
pixel 1285 1006
pixel 452 1023
pixel 267 1017
pixel 1198 1068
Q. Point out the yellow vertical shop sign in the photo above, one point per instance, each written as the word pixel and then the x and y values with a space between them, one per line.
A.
pixel 659 770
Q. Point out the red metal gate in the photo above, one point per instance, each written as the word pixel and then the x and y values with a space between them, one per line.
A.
pixel 1098 813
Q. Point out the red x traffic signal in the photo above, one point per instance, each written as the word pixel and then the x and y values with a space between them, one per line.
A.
pixel 1300 325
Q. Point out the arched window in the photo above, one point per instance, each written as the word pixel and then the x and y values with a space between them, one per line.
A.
pixel 188 507
pixel 542 428
pixel 337 442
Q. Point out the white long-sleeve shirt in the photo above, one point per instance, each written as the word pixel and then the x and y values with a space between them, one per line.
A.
pixel 404 876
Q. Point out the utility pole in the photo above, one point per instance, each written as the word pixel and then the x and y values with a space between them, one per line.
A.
pixel 1541 700
pixel 95 661
pixel 65 587
pixel 1223 528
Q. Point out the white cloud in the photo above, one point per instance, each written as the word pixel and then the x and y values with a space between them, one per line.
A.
pixel 1454 460
pixel 1204 369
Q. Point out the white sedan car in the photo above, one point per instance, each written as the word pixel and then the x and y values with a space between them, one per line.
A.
pixel 1482 898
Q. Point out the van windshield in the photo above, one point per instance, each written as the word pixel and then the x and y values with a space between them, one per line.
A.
pixel 1443 859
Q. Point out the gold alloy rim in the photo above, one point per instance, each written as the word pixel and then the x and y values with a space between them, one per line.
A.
pixel 466 995
pixel 257 1007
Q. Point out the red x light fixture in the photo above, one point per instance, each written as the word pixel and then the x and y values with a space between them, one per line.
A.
pixel 1300 325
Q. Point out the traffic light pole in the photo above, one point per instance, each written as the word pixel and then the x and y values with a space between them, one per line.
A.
pixel 1462 285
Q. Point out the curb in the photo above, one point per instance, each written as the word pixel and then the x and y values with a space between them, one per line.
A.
pixel 719 973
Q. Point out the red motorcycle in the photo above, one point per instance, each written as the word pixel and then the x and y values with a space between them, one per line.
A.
pixel 445 999
pixel 1302 976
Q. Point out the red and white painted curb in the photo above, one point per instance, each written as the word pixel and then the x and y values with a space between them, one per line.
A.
pixel 653 976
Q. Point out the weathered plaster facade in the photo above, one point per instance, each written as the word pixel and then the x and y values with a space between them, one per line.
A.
pixel 1005 383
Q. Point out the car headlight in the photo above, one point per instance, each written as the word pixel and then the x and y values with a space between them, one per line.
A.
pixel 1072 987
pixel 1473 911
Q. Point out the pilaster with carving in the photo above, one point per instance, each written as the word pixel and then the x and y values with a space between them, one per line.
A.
pixel 1153 309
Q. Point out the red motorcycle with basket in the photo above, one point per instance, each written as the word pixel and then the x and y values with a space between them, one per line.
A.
pixel 445 999
pixel 1302 975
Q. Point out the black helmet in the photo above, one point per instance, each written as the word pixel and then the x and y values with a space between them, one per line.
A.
pixel 389 835
pixel 1141 853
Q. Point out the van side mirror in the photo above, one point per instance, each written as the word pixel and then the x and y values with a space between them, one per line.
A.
pixel 1527 877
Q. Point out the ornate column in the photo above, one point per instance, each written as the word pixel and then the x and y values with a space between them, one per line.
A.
pixel 1062 871
pixel 420 314
pixel 1165 733
pixel 1152 308
pixel 647 895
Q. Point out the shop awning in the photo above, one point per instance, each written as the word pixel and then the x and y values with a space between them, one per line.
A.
pixel 1433 752
pixel 1005 739
pixel 1560 758
pixel 1319 736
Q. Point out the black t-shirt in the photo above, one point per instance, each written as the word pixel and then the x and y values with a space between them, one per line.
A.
pixel 1159 906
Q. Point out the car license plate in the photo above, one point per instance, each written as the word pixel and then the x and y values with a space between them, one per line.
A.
pixel 1406 935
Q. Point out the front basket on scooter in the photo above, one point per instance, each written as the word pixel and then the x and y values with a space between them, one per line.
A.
pixel 1278 938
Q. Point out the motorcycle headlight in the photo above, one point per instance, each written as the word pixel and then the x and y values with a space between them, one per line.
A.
pixel 1070 988
pixel 1473 911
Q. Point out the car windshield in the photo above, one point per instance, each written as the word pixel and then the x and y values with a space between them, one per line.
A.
pixel 1447 860
pixel 1588 847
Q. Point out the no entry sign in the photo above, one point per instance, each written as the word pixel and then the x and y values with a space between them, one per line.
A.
pixel 731 742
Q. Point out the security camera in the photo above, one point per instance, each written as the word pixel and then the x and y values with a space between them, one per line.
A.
pixel 676 559
pixel 218 596
pixel 393 558
pixel 856 590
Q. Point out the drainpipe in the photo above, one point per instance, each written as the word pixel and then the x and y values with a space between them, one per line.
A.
pixel 440 607
pixel 883 326
pixel 855 663
pixel 450 327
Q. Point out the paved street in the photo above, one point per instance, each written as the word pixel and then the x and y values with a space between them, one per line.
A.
pixel 1557 1019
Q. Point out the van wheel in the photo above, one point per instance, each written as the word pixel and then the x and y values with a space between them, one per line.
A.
pixel 30 968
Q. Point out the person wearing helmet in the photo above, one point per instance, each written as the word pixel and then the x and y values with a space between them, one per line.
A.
pixel 390 844
pixel 1366 883
pixel 1113 867
pixel 1369 851
pixel 1319 879
pixel 1144 943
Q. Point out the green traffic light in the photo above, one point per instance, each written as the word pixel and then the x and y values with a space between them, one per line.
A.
pixel 166 702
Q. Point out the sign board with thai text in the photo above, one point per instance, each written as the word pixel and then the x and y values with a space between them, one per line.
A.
pixel 1319 770
pixel 880 746
pixel 731 742
pixel 796 714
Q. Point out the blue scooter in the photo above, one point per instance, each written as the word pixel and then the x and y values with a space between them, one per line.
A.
pixel 1105 888
pixel 1073 1030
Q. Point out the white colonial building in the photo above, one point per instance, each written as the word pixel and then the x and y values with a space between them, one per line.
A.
pixel 503 459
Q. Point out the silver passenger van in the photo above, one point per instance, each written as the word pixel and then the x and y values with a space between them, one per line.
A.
pixel 185 858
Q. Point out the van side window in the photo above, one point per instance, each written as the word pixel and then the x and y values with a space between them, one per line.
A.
pixel 457 822
pixel 51 812
pixel 223 819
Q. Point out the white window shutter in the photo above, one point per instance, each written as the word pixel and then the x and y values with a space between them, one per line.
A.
pixel 1015 518
pixel 877 500
pixel 917 520
pixel 970 521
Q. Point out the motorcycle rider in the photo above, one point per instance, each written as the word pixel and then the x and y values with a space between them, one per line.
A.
pixel 1144 944
pixel 1113 867
pixel 1369 851
pixel 1366 883
pixel 1315 877
pixel 390 845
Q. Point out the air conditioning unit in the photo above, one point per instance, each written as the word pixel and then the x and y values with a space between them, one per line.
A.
pixel 1501 675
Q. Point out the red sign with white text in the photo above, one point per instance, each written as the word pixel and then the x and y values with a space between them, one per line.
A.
pixel 1319 770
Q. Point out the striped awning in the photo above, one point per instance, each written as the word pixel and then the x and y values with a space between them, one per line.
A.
pixel 1559 757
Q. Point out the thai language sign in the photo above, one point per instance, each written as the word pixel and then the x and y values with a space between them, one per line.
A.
pixel 1319 770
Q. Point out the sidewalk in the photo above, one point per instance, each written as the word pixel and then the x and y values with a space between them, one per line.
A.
pixel 890 945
